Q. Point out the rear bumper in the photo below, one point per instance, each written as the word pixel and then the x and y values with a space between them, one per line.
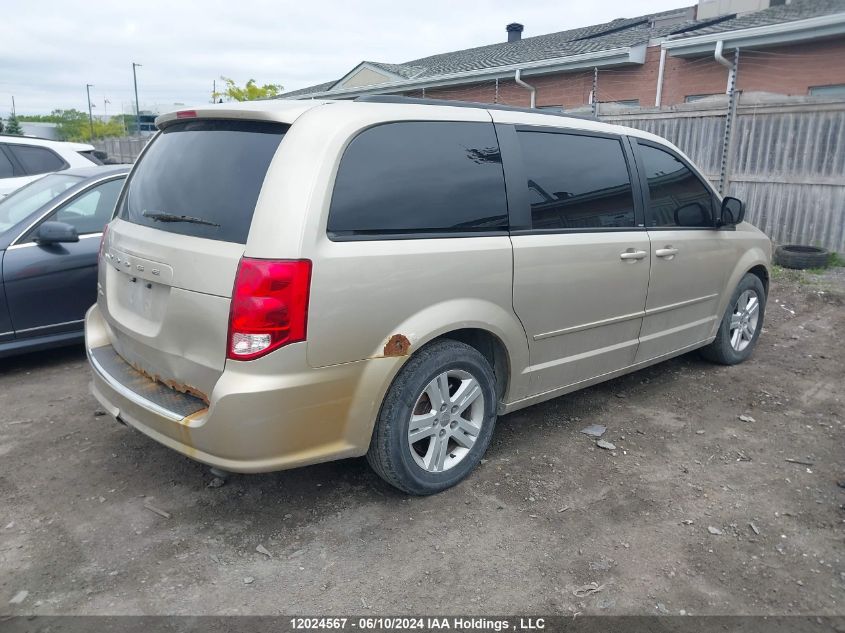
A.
pixel 263 415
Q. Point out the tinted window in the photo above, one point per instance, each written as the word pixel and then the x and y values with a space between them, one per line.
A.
pixel 92 156
pixel 211 171
pixel 6 169
pixel 37 160
pixel 678 197
pixel 90 211
pixel 576 182
pixel 420 177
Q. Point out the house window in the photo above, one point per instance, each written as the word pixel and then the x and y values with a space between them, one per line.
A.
pixel 833 90
pixel 694 98
pixel 626 103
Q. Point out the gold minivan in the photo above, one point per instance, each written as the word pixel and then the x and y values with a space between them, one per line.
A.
pixel 291 282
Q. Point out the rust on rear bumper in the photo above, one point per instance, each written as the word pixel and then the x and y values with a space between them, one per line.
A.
pixel 172 384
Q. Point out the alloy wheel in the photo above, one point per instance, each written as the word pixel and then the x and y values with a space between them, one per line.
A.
pixel 446 420
pixel 744 320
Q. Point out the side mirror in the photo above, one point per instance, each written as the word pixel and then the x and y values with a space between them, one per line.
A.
pixel 56 232
pixel 733 211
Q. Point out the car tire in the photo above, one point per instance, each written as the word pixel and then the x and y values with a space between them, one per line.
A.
pixel 741 324
pixel 423 442
pixel 801 257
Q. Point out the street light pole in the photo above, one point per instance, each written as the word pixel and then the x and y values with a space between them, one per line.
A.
pixel 137 105
pixel 90 116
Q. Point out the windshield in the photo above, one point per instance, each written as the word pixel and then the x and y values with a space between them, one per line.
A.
pixel 16 206
pixel 202 178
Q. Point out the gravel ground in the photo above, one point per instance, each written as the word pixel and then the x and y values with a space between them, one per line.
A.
pixel 697 509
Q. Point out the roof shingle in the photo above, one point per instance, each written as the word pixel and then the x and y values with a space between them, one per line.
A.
pixel 796 10
pixel 619 33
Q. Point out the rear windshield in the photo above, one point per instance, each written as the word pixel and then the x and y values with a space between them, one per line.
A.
pixel 202 178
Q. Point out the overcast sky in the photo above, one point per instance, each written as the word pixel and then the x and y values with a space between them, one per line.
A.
pixel 50 49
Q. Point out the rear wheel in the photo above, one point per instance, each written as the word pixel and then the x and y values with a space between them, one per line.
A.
pixel 437 419
pixel 741 324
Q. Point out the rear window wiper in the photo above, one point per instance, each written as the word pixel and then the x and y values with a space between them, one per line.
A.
pixel 171 217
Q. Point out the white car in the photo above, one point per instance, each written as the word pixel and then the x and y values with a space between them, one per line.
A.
pixel 23 159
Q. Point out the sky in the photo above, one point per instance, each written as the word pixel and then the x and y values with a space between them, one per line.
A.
pixel 49 49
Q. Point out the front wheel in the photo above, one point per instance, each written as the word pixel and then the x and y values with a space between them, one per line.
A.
pixel 437 419
pixel 741 324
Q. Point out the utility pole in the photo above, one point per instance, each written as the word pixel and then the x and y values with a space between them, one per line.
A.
pixel 90 116
pixel 595 90
pixel 137 105
pixel 106 103
pixel 13 106
pixel 730 123
pixel 214 91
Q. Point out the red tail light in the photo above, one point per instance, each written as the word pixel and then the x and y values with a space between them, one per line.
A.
pixel 269 306
pixel 186 114
pixel 103 241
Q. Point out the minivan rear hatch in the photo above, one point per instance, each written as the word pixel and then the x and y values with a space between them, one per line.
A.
pixel 171 256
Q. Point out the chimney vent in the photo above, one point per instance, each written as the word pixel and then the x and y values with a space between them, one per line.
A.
pixel 514 31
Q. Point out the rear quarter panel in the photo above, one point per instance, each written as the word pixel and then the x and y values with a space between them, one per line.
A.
pixel 368 294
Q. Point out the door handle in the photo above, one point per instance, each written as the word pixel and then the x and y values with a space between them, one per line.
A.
pixel 631 254
pixel 667 252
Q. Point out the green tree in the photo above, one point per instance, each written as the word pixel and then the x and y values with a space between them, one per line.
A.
pixel 13 127
pixel 250 92
pixel 1 126
pixel 72 125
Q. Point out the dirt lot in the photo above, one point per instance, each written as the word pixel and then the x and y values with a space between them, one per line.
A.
pixel 546 513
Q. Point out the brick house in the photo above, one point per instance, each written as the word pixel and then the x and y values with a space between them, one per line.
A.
pixel 667 58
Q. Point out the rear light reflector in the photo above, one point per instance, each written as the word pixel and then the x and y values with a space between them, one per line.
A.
pixel 186 114
pixel 269 306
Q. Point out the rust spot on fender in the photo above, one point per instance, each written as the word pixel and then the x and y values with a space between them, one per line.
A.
pixel 397 345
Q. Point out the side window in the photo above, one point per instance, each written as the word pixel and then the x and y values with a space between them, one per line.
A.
pixel 576 182
pixel 37 160
pixel 420 177
pixel 6 168
pixel 677 196
pixel 90 212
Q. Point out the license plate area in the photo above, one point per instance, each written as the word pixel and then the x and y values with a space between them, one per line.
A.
pixel 137 292
pixel 144 298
